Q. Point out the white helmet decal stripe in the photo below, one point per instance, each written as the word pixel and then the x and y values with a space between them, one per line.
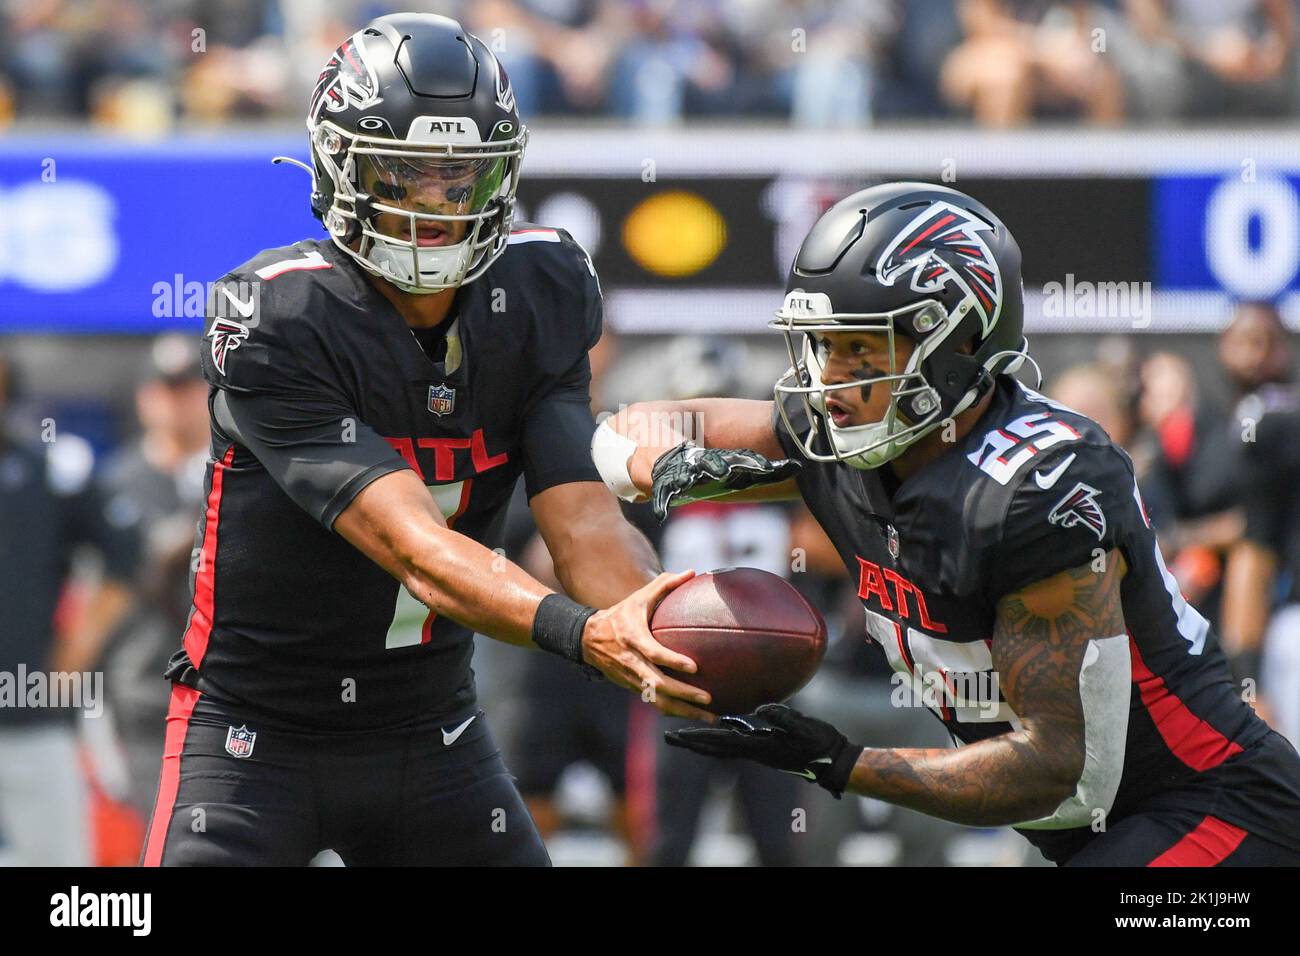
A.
pixel 347 80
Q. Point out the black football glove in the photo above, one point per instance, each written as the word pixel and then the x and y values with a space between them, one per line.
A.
pixel 690 473
pixel 780 737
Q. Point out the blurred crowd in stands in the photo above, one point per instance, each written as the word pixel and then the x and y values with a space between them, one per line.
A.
pixel 1220 481
pixel 141 66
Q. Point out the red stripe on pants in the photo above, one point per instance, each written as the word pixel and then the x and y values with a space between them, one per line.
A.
pixel 178 725
pixel 1209 844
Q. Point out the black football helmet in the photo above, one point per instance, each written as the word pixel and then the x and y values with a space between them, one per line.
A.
pixel 414 118
pixel 912 259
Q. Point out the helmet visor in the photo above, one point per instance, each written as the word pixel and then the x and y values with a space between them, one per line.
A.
pixel 437 185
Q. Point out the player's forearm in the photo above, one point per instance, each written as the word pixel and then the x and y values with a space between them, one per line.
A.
pixel 82 647
pixel 657 427
pixel 392 521
pixel 603 559
pixel 459 578
pixel 1001 781
pixel 1248 579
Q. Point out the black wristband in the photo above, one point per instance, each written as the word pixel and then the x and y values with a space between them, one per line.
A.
pixel 558 626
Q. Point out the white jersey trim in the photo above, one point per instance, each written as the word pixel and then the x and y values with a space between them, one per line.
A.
pixel 533 235
pixel 1105 686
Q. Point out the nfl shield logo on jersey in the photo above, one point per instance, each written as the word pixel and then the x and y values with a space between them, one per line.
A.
pixel 239 741
pixel 442 399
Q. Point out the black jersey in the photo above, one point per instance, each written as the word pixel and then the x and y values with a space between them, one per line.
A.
pixel 318 387
pixel 1035 489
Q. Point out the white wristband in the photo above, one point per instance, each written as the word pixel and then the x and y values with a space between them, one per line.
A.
pixel 611 452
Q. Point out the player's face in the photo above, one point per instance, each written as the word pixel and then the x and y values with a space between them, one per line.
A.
pixel 1254 348
pixel 846 356
pixel 434 186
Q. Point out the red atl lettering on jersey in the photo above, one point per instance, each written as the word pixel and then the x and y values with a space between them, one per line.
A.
pixel 444 454
pixel 872 581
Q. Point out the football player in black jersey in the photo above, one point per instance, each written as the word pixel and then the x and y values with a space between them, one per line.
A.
pixel 1002 554
pixel 374 398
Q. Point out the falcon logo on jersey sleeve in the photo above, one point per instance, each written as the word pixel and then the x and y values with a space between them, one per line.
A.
pixel 944 245
pixel 1080 507
pixel 226 337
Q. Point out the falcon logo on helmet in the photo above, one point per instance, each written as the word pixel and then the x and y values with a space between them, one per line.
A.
pixel 505 92
pixel 348 80
pixel 944 245
pixel 1080 507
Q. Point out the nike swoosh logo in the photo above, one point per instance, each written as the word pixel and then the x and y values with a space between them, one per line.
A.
pixel 243 308
pixel 1046 481
pixel 450 738
pixel 808 774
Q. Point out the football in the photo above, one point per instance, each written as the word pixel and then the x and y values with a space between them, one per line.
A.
pixel 754 638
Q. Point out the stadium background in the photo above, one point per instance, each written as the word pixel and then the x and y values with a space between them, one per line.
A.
pixel 688 146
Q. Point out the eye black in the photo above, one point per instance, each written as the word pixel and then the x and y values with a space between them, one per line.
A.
pixel 386 191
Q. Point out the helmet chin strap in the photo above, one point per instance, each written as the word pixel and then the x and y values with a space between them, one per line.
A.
pixel 440 260
pixel 1022 356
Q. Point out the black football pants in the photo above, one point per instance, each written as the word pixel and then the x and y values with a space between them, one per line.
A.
pixel 436 796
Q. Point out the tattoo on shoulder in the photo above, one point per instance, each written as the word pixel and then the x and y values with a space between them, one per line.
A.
pixel 1043 630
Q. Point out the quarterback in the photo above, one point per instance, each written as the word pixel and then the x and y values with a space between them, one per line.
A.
pixel 374 398
pixel 1000 546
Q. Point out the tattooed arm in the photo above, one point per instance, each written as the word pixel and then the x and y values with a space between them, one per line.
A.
pixel 1061 653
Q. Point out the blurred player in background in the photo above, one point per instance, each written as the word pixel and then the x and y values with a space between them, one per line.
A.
pixel 50 507
pixel 1263 592
pixel 1001 549
pixel 1261 608
pixel 1194 489
pixel 370 392
pixel 155 486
